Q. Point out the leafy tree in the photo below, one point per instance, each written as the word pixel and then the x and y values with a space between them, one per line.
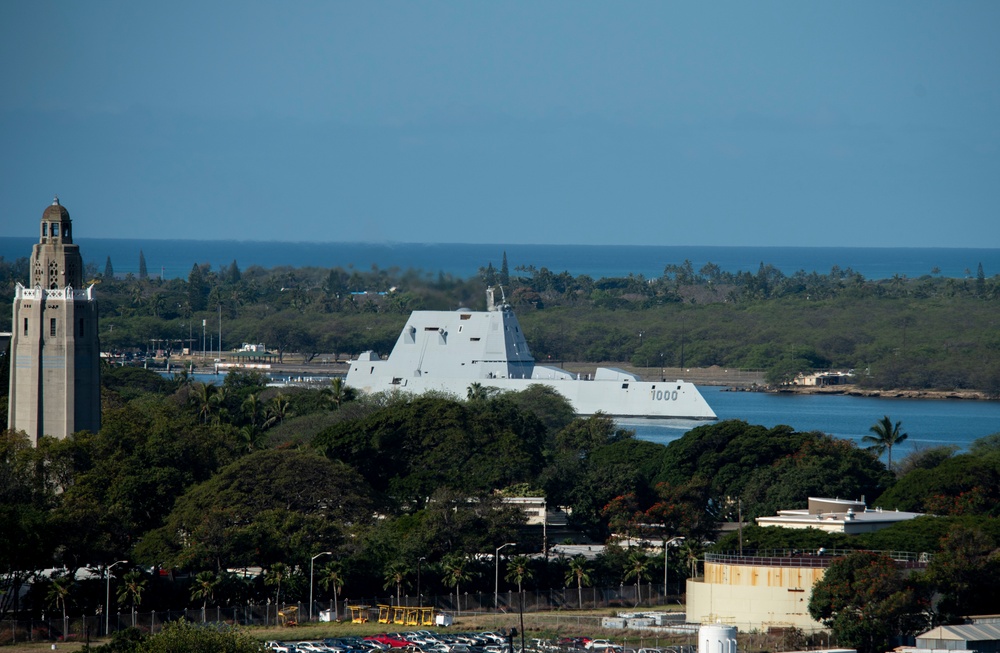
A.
pixel 417 445
pixel 777 538
pixel 181 635
pixel 865 600
pixel 926 458
pixel 623 514
pixel 821 466
pixel 143 274
pixel 455 523
pixel 197 289
pixel 26 538
pixel 965 572
pixel 986 444
pixel 235 520
pixel 109 270
pixel 886 436
pixel 504 276
pixel 965 484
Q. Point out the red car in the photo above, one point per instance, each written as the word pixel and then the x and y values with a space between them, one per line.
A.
pixel 394 642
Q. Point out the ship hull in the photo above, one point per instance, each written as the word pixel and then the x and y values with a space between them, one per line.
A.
pixel 665 400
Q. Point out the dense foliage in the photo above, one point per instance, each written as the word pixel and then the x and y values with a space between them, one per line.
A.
pixel 201 480
pixel 866 600
pixel 930 332
pixel 198 481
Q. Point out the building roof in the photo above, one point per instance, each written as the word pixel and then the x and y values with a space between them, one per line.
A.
pixel 837 515
pixel 55 212
pixel 964 633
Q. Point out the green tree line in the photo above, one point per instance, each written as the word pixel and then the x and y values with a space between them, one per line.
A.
pixel 927 332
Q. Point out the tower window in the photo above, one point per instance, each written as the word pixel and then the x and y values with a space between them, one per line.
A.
pixel 81 327
pixel 25 326
pixel 52 327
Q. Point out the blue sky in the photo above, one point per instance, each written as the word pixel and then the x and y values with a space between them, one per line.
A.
pixel 668 123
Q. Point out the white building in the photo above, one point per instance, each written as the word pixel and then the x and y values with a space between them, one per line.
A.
pixel 838 516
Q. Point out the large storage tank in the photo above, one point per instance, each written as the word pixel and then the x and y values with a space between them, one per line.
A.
pixel 716 638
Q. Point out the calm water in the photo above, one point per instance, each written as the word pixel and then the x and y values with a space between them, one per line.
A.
pixel 174 258
pixel 929 422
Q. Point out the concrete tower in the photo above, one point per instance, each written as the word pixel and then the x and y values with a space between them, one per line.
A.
pixel 55 384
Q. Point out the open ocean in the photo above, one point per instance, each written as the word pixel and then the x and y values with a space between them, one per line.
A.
pixel 174 258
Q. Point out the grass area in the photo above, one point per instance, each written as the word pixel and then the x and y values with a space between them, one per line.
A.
pixel 543 625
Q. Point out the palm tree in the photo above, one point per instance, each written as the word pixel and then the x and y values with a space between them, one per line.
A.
pixel 519 570
pixel 339 393
pixel 395 574
pixel 691 550
pixel 454 573
pixel 130 591
pixel 887 435
pixel 278 410
pixel 218 401
pixel 332 577
pixel 274 576
pixel 252 438
pixel 204 587
pixel 202 398
pixel 183 377
pixel 475 392
pixel 252 408
pixel 59 590
pixel 637 567
pixel 579 572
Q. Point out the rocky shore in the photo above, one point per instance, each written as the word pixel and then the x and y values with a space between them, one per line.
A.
pixel 855 391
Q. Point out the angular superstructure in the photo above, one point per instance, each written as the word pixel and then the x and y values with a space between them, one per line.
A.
pixel 449 351
pixel 55 351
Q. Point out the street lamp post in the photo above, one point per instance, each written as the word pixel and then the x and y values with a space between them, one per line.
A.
pixel 666 565
pixel 420 603
pixel 496 582
pixel 311 563
pixel 107 599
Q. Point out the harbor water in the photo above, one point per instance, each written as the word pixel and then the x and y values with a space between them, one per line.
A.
pixel 929 422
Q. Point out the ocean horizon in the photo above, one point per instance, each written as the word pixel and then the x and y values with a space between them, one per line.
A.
pixel 175 258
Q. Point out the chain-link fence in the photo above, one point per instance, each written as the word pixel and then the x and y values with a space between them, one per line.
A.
pixel 85 628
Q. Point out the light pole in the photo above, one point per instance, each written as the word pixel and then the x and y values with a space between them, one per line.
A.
pixel 666 566
pixel 107 599
pixel 420 603
pixel 311 563
pixel 496 581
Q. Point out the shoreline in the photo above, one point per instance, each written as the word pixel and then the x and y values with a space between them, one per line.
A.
pixel 732 380
pixel 854 391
